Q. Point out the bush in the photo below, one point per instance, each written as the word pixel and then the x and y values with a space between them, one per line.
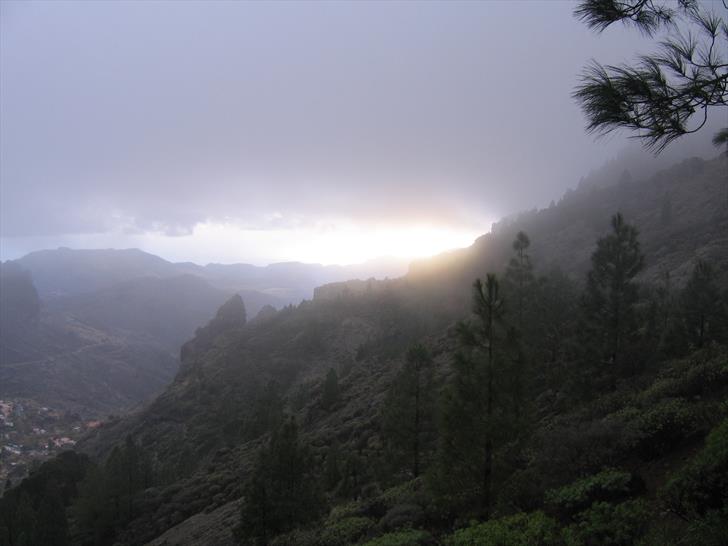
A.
pixel 299 537
pixel 607 524
pixel 607 486
pixel 702 485
pixel 342 511
pixel 711 530
pixel 524 490
pixel 533 529
pixel 402 515
pixel 408 537
pixel 701 374
pixel 662 426
pixel 345 531
pixel 406 493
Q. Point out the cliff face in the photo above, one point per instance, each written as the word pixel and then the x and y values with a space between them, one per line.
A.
pixel 361 328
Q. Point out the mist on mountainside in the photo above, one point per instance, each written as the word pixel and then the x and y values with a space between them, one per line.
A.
pixel 367 274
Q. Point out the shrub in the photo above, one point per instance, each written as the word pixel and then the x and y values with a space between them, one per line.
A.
pixel 609 485
pixel 405 493
pixel 345 531
pixel 408 537
pixel 299 537
pixel 710 530
pixel 607 524
pixel 402 515
pixel 702 484
pixel 695 376
pixel 524 489
pixel 341 511
pixel 533 529
pixel 665 425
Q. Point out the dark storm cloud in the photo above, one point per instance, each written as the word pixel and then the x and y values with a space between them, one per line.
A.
pixel 155 116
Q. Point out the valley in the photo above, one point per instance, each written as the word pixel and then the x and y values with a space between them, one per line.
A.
pixel 330 363
pixel 361 273
pixel 90 343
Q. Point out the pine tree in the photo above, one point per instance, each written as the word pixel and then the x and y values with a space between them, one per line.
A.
pixel 662 333
pixel 702 308
pixel 26 520
pixel 282 492
pixel 473 419
pixel 331 390
pixel 520 288
pixel 332 470
pixel 612 294
pixel 267 412
pixel 93 513
pixel 353 475
pixel 408 416
pixel 519 278
pixel 126 473
pixel 555 309
pixel 52 523
pixel 660 95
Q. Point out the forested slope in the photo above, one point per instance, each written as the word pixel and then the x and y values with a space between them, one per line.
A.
pixel 534 418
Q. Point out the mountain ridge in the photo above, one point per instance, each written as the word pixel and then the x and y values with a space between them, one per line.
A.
pixel 361 330
pixel 65 271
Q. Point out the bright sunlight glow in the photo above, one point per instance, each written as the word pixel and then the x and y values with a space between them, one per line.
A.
pixel 325 244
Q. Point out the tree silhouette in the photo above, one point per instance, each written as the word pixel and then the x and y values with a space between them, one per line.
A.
pixel 611 293
pixel 519 276
pixel 473 409
pixel 408 413
pixel 659 94
pixel 282 491
pixel 330 393
pixel 702 308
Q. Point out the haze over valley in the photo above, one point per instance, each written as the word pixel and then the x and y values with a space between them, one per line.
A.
pixel 364 273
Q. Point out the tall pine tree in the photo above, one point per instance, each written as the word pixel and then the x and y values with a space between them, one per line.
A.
pixel 520 292
pixel 330 393
pixel 703 310
pixel 611 295
pixel 475 407
pixel 519 279
pixel 408 416
pixel 282 492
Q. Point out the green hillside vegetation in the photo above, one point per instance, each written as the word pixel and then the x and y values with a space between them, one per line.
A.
pixel 564 381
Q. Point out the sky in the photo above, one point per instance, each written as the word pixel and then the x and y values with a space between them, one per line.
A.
pixel 328 132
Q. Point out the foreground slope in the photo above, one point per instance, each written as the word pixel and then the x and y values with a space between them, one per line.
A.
pixel 213 407
pixel 204 432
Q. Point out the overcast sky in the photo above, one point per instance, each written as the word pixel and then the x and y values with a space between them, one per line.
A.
pixel 332 132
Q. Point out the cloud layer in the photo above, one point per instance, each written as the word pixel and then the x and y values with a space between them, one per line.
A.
pixel 155 117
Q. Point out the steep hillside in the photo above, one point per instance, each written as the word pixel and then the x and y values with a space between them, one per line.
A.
pixel 101 352
pixel 164 311
pixel 228 394
pixel 100 331
pixel 19 308
pixel 67 363
pixel 680 213
pixel 72 367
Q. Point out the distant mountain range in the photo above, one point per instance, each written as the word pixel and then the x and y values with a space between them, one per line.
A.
pixel 68 272
pixel 98 331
